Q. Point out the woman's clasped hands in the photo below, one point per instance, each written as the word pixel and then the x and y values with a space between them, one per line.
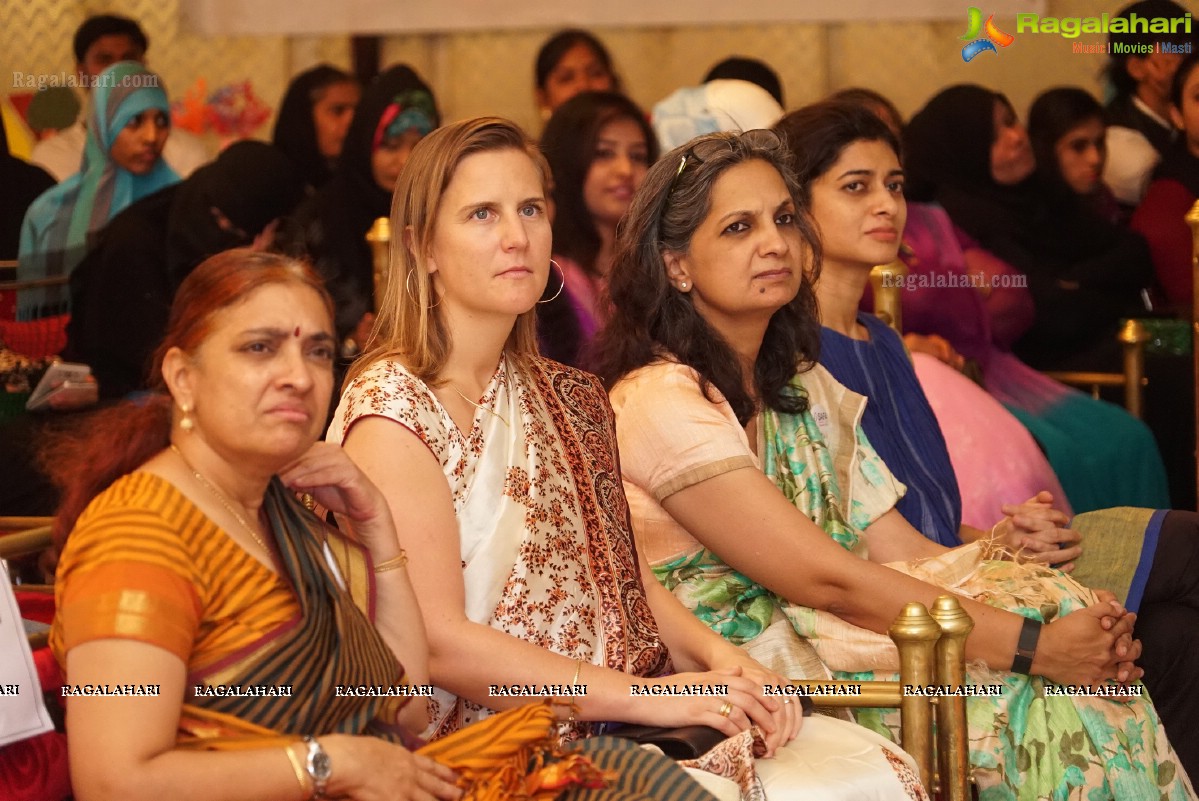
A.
pixel 1090 646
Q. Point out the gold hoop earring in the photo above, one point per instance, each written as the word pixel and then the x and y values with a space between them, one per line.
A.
pixel 186 423
pixel 413 295
pixel 560 288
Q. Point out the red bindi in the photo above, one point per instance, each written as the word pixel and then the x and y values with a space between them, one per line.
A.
pixel 297 332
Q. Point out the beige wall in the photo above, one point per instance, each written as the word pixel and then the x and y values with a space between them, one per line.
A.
pixel 490 73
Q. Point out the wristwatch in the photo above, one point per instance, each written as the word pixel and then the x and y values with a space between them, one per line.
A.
pixel 318 766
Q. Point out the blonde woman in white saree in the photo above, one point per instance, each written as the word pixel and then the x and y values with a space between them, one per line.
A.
pixel 501 470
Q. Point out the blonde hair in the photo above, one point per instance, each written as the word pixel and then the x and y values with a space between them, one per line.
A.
pixel 410 327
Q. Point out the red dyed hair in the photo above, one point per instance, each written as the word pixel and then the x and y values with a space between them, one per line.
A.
pixel 84 460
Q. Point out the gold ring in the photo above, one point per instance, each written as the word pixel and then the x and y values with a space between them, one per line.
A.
pixel 786 700
pixel 726 709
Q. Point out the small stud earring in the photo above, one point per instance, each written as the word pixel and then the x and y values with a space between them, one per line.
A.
pixel 682 284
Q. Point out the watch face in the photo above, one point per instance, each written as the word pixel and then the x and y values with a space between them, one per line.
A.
pixel 320 765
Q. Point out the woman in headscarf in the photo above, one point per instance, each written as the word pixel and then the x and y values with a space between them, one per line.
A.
pixel 967 151
pixel 122 162
pixel 1067 129
pixel 121 293
pixel 396 111
pixel 990 194
pixel 313 120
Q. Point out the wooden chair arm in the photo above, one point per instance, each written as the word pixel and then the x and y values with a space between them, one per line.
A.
pixel 25 543
pixel 20 523
pixel 1132 337
pixel 886 283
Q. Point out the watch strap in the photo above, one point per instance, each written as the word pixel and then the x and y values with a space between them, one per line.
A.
pixel 1026 646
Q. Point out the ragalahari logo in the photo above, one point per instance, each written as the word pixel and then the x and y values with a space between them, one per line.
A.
pixel 975 26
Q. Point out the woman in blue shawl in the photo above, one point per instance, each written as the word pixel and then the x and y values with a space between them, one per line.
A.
pixel 122 162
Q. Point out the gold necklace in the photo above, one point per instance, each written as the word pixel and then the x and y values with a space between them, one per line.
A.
pixel 220 497
pixel 477 406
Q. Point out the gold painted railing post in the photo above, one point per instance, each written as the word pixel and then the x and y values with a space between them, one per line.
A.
pixel 379 238
pixel 1192 219
pixel 952 735
pixel 1133 337
pixel 915 634
pixel 886 281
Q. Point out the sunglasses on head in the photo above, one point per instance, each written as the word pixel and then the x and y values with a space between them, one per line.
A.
pixel 702 151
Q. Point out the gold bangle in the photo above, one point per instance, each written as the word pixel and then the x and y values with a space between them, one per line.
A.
pixel 570 720
pixel 301 774
pixel 393 563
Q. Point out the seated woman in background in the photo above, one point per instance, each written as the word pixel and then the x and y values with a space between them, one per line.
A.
pixel 598 146
pixel 569 62
pixel 501 469
pixel 313 119
pixel 758 501
pixel 128 126
pixel 980 315
pixel 967 151
pixel 973 457
pixel 396 110
pixel 1067 127
pixel 1161 216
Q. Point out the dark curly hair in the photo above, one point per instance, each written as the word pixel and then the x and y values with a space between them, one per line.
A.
pixel 651 318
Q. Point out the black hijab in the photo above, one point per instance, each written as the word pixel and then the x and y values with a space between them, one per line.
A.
pixel 22 183
pixel 250 183
pixel 331 228
pixel 295 128
pixel 1084 272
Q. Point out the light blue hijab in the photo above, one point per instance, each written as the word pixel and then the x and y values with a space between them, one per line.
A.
pixel 57 226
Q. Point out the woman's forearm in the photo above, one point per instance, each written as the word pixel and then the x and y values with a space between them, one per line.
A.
pixel 469 658
pixel 692 645
pixel 398 620
pixel 757 532
pixel 261 774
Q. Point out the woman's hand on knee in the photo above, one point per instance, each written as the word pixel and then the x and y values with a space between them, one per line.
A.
pixel 786 714
pixel 1089 646
pixel 729 712
pixel 370 769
